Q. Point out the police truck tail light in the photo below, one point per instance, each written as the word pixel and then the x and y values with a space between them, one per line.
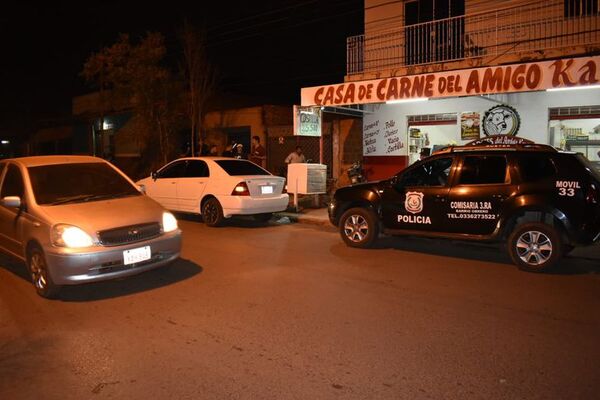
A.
pixel 592 196
pixel 241 189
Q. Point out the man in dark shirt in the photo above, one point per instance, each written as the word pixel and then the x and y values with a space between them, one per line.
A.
pixel 258 153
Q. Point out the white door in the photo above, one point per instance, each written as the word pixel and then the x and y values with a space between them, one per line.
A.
pixel 191 187
pixel 164 188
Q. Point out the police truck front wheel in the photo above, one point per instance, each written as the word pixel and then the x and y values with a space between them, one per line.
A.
pixel 535 247
pixel 359 227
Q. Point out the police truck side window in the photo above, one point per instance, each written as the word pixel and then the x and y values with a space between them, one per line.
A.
pixel 536 167
pixel 430 173
pixel 483 170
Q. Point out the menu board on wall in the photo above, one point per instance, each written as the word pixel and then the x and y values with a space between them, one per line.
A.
pixel 470 125
pixel 382 135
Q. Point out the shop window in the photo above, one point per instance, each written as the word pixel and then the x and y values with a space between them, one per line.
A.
pixel 431 173
pixel 483 170
pixel 580 8
pixel 536 168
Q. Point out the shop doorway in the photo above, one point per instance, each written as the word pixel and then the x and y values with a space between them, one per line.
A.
pixel 431 132
pixel 239 135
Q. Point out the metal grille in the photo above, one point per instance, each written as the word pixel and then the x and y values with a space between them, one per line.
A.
pixel 555 113
pixel 450 117
pixel 537 26
pixel 276 152
pixel 129 234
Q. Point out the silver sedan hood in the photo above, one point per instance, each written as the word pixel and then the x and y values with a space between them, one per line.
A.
pixel 96 216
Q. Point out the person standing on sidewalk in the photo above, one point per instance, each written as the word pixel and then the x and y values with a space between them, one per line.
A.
pixel 258 153
pixel 295 156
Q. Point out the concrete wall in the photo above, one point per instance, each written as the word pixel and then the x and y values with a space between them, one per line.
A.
pixel 382 14
pixel 261 120
pixel 216 122
pixel 533 108
pixel 347 147
pixel 93 103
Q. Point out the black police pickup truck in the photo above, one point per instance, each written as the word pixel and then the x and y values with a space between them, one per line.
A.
pixel 539 201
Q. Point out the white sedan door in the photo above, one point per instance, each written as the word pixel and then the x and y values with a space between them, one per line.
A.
pixel 191 187
pixel 163 189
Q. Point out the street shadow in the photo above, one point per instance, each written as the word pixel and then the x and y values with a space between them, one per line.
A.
pixel 170 274
pixel 14 266
pixel 484 252
pixel 177 271
pixel 240 221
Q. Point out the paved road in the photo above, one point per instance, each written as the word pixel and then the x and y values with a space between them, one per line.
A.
pixel 288 312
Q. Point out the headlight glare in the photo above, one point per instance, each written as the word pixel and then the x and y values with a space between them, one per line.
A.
pixel 169 222
pixel 64 235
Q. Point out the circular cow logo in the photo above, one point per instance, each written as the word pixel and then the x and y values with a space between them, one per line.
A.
pixel 501 120
pixel 414 202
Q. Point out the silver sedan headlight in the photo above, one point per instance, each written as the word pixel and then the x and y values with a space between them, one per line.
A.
pixel 64 235
pixel 169 222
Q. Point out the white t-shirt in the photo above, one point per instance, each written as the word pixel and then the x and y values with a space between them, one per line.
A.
pixel 294 158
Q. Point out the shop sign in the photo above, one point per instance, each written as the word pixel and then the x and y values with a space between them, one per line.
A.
pixel 307 121
pixel 469 125
pixel 501 120
pixel 382 137
pixel 467 82
pixel 500 141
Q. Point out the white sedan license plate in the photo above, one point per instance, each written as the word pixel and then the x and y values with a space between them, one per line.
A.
pixel 134 256
pixel 266 189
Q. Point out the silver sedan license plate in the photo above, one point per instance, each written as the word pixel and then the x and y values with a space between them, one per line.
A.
pixel 134 256
pixel 266 189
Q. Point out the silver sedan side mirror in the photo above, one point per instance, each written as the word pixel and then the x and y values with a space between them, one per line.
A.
pixel 12 201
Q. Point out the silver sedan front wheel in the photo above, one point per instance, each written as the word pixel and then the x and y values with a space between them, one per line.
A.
pixel 40 276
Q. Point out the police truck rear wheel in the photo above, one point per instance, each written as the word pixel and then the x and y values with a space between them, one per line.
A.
pixel 359 227
pixel 535 247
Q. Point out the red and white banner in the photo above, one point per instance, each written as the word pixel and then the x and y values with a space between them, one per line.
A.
pixel 468 82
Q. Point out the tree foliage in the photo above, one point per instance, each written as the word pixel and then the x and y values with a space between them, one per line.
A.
pixel 133 73
pixel 199 76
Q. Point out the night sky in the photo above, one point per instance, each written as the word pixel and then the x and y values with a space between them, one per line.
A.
pixel 265 49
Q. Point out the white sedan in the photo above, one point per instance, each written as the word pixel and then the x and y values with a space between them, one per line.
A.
pixel 217 188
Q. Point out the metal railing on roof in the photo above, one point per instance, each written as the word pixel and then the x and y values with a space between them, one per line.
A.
pixel 537 26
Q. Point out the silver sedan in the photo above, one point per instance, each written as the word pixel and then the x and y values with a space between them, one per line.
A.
pixel 77 219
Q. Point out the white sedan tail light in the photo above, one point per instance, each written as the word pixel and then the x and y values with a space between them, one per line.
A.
pixel 241 189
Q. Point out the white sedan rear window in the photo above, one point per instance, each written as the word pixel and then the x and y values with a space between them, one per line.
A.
pixel 241 167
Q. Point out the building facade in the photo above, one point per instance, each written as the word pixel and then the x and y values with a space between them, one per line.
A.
pixel 432 73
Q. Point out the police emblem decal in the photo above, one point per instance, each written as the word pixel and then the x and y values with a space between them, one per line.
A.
pixel 414 202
